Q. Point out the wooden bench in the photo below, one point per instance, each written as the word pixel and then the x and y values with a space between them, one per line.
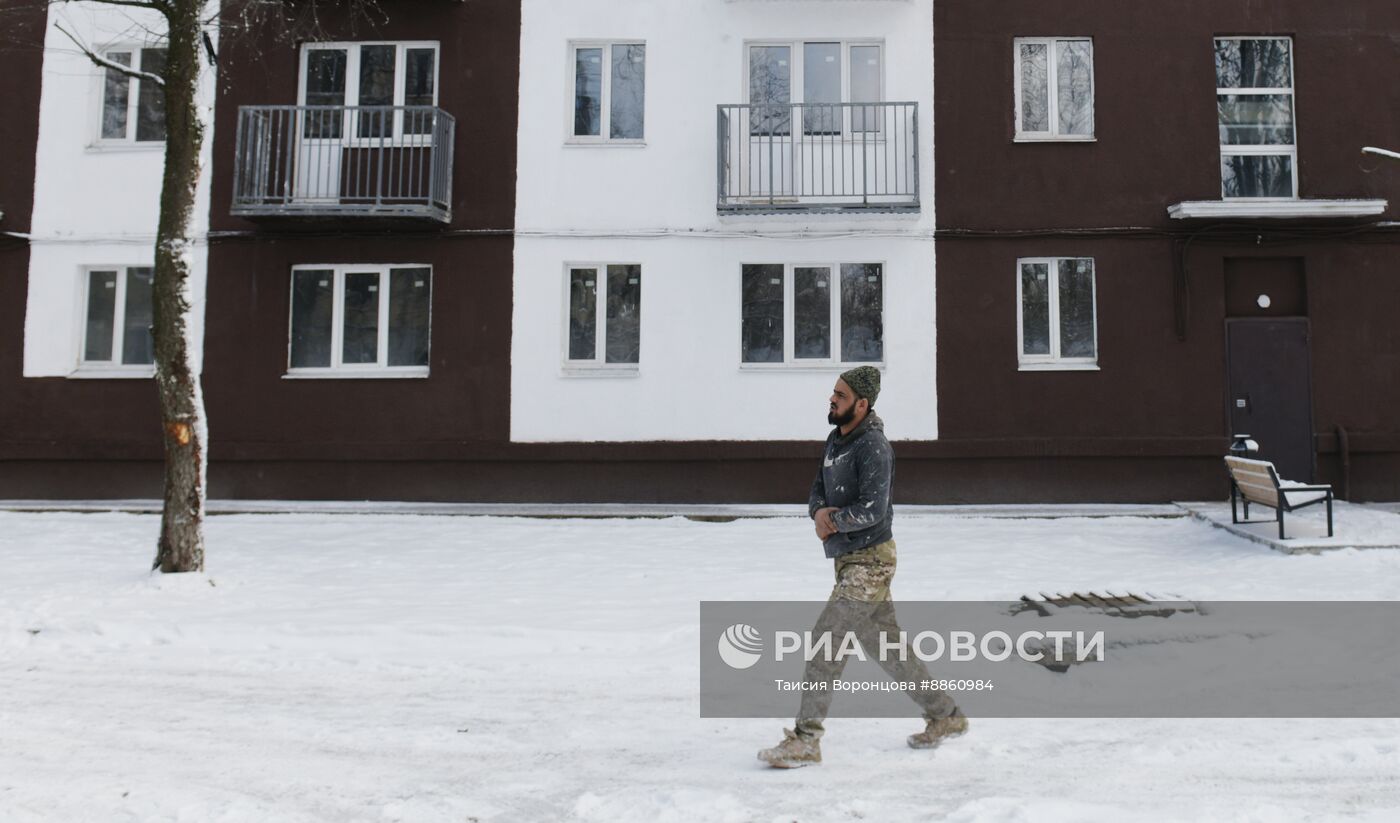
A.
pixel 1256 481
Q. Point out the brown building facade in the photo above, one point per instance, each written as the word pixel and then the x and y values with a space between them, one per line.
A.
pixel 1154 228
pixel 1235 320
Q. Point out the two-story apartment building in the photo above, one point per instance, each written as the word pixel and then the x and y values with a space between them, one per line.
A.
pixel 1157 228
pixel 79 413
pixel 620 251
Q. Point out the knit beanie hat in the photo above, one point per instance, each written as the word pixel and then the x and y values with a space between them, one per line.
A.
pixel 864 381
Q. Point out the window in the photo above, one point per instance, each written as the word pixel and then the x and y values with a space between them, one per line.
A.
pixel 117 319
pixel 379 75
pixel 835 313
pixel 609 91
pixel 1254 96
pixel 1056 320
pixel 1054 88
pixel 133 108
pixel 351 321
pixel 605 315
pixel 822 75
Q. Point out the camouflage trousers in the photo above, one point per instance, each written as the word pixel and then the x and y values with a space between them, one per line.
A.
pixel 860 604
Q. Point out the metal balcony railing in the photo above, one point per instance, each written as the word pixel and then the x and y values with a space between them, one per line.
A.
pixel 377 161
pixel 816 157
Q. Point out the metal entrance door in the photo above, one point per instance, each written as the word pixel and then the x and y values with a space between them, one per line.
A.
pixel 1270 374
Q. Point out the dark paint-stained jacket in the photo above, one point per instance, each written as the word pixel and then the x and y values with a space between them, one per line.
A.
pixel 856 476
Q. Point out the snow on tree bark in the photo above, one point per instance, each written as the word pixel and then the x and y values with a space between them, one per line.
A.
pixel 181 544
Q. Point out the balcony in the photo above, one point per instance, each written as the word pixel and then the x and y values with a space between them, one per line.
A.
pixel 344 161
pixel 818 157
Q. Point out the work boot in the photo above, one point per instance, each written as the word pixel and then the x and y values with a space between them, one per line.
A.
pixel 796 751
pixel 939 729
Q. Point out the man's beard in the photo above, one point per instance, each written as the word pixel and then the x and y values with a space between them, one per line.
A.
pixel 840 420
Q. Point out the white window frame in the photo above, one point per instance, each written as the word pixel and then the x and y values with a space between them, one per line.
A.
pixel 605 101
pixel 133 97
pixel 598 365
pixel 338 369
pixel 797 88
pixel 1053 361
pixel 349 131
pixel 1053 135
pixel 1275 150
pixel 114 367
pixel 790 360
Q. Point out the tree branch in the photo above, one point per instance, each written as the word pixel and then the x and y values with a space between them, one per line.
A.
pixel 110 64
pixel 1381 152
pixel 153 5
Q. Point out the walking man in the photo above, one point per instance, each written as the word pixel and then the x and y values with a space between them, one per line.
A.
pixel 850 502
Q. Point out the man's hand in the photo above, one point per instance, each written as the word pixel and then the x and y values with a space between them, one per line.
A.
pixel 825 526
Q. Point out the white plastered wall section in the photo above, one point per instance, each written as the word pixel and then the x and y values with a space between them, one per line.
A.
pixel 93 205
pixel 590 204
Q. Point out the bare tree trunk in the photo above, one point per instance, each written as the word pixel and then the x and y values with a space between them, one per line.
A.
pixel 181 547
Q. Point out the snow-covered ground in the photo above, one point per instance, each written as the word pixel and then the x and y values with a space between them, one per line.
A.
pixel 342 667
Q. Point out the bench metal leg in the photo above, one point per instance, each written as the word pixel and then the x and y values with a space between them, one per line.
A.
pixel 1329 514
pixel 1280 522
pixel 1234 512
pixel 1246 509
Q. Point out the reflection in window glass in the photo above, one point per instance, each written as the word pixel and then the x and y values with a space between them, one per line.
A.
pixel 116 93
pixel 1257 175
pixel 361 336
pixel 588 92
pixel 325 86
pixel 811 312
pixel 583 314
pixel 410 296
pixel 377 89
pixel 327 301
pixel 419 74
pixel 762 329
pixel 1035 309
pixel 1035 87
pixel 865 87
pixel 628 91
pixel 1254 101
pixel 862 313
pixel 312 308
pixel 137 347
pixel 821 84
pixel 1074 78
pixel 101 315
pixel 1255 119
pixel 150 98
pixel 1076 308
pixel 1253 64
pixel 770 89
pixel 624 314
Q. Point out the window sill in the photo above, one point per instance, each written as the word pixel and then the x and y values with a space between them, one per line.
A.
pixel 406 373
pixel 836 368
pixel 603 371
pixel 123 148
pixel 1050 138
pixel 90 372
pixel 1057 366
pixel 1276 208
pixel 604 143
